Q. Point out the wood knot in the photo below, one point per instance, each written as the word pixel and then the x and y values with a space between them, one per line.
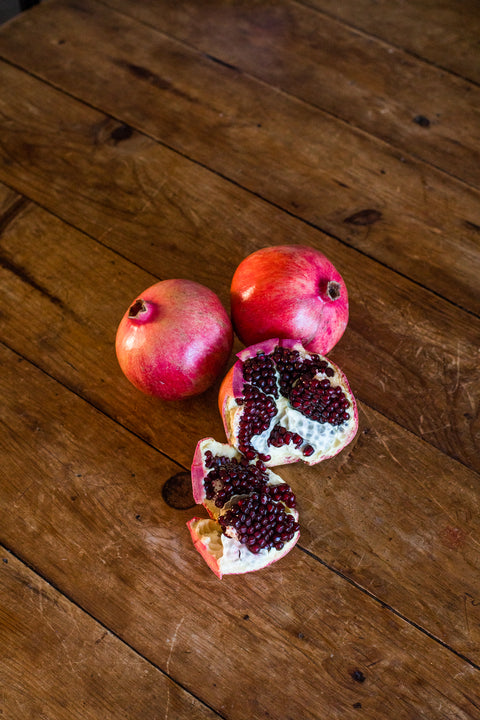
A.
pixel 122 132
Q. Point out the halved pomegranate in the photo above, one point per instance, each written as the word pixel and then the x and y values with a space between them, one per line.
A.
pixel 284 404
pixel 253 521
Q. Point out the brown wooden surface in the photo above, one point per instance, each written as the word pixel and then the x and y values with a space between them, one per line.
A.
pixel 169 139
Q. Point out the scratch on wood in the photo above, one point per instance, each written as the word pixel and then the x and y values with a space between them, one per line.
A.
pixel 384 443
pixel 457 362
pixel 172 645
pixel 467 623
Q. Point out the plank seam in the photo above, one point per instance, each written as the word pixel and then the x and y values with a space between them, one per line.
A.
pixel 11 213
pixel 99 409
pixel 32 568
pixel 388 607
pixel 387 43
pixel 303 549
pixel 235 183
pixel 289 94
pixel 154 277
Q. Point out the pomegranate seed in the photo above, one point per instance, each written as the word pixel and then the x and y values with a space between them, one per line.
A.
pixel 260 530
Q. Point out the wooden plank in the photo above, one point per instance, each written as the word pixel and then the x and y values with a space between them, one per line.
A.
pixel 8 201
pixel 103 535
pixel 57 662
pixel 444 32
pixel 72 293
pixel 366 82
pixel 386 513
pixel 177 219
pixel 390 206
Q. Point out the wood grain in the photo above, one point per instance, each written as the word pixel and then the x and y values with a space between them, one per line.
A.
pixel 384 513
pixel 103 535
pixel 442 31
pixel 57 662
pixel 175 218
pixel 368 83
pixel 140 141
pixel 331 175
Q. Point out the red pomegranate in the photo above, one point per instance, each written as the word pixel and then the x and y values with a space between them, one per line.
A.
pixel 174 340
pixel 253 521
pixel 289 291
pixel 283 404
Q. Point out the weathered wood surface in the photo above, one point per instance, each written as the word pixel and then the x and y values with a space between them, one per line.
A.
pixel 104 536
pixel 174 218
pixel 375 197
pixel 444 32
pixel 57 662
pixel 149 140
pixel 347 507
pixel 368 83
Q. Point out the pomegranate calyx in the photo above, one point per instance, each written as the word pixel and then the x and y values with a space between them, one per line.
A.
pixel 334 290
pixel 140 311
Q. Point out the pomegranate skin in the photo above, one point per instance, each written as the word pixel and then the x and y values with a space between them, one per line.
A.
pixel 289 291
pixel 174 340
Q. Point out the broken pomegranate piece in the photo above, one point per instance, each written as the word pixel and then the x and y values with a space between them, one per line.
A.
pixel 253 521
pixel 282 404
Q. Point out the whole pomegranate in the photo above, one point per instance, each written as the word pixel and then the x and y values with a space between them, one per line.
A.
pixel 289 291
pixel 253 521
pixel 283 404
pixel 174 340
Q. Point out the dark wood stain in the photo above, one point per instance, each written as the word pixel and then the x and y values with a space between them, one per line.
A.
pixel 364 217
pixel 177 491
pixel 142 73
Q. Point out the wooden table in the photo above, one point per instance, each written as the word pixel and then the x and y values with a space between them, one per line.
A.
pixel 171 138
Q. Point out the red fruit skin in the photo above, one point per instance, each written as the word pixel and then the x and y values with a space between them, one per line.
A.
pixel 179 345
pixel 289 291
pixel 202 548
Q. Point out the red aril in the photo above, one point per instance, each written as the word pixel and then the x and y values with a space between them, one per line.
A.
pixel 174 340
pixel 289 291
pixel 283 404
pixel 253 521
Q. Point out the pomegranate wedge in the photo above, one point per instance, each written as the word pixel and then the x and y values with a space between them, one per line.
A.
pixel 282 404
pixel 253 521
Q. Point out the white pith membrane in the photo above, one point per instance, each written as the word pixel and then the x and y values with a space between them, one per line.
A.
pixel 222 550
pixel 319 439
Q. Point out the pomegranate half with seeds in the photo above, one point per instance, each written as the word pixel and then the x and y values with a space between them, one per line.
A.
pixel 174 340
pixel 289 291
pixel 253 521
pixel 283 404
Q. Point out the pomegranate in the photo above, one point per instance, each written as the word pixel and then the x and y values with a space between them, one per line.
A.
pixel 174 340
pixel 253 521
pixel 289 291
pixel 283 404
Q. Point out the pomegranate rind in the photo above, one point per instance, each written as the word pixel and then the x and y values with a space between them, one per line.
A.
pixel 289 291
pixel 179 344
pixel 225 555
pixel 199 469
pixel 231 412
pixel 201 536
